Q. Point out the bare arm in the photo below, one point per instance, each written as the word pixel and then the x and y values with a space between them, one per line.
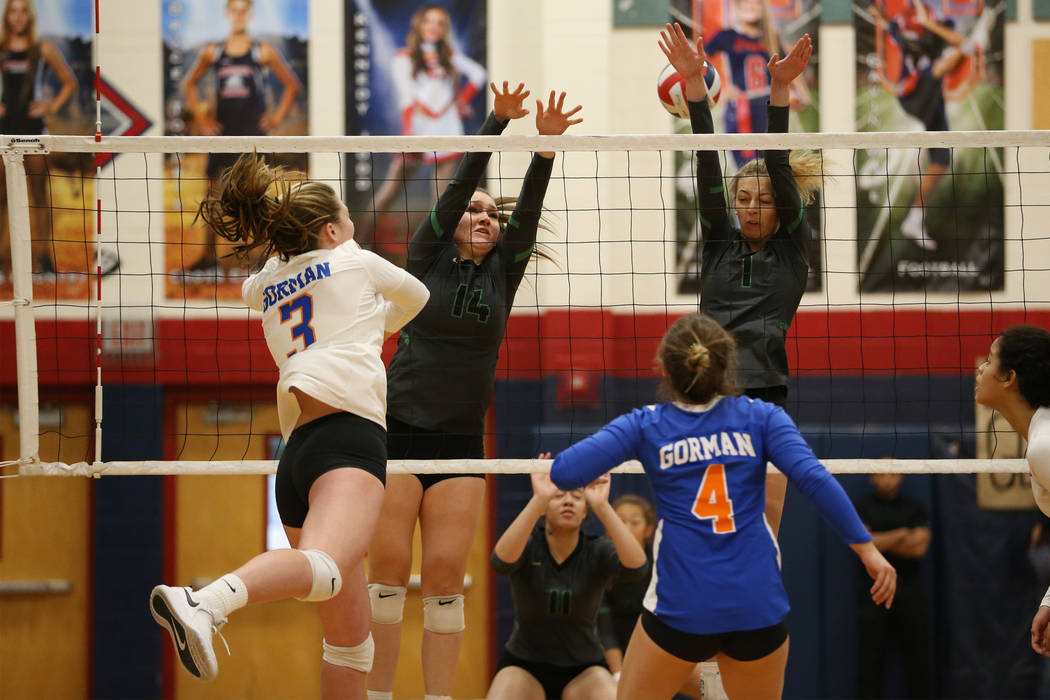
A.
pixel 631 554
pixel 272 59
pixel 511 544
pixel 928 22
pixel 886 540
pixel 914 544
pixel 56 62
pixel 205 125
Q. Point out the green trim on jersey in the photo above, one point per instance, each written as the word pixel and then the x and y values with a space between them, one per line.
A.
pixel 524 255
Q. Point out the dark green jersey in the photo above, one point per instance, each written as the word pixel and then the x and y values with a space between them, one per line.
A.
pixel 556 605
pixel 753 295
pixel 443 373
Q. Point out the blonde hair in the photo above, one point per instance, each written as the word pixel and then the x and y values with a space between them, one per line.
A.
pixel 698 358
pixel 5 32
pixel 258 206
pixel 806 166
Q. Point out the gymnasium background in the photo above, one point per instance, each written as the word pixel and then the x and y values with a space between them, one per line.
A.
pixel 114 538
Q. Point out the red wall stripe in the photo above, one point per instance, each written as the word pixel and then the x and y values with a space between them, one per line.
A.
pixel 233 352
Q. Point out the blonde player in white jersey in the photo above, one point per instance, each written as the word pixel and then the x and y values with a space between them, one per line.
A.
pixel 326 306
pixel 1015 380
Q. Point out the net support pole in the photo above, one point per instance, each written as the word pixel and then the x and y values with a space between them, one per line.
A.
pixel 22 281
pixel 95 50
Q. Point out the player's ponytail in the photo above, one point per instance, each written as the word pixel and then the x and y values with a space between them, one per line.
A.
pixel 258 206
pixel 698 358
pixel 808 167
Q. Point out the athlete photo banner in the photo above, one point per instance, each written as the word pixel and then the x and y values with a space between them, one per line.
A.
pixel 412 68
pixel 47 87
pixel 739 37
pixel 235 68
pixel 929 219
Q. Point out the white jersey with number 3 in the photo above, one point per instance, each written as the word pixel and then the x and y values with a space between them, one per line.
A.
pixel 325 316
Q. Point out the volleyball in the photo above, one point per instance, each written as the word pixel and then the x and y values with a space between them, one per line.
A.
pixel 671 88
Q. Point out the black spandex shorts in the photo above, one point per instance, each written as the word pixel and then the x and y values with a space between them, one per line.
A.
pixel 552 678
pixel 745 645
pixel 406 441
pixel 330 442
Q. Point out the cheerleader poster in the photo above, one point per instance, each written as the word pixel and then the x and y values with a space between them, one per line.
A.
pixel 412 68
pixel 46 82
pixel 233 68
pixel 929 219
pixel 739 37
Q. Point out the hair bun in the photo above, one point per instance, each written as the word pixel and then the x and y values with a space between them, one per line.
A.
pixel 699 357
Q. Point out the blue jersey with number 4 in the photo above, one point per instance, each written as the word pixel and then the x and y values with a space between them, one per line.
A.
pixel 716 563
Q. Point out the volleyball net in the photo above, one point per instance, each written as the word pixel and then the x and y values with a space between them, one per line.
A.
pixel 121 312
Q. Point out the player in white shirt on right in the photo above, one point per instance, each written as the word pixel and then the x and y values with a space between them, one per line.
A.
pixel 1015 380
pixel 327 305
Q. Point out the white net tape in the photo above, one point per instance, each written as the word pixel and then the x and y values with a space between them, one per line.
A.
pixel 508 466
pixel 626 142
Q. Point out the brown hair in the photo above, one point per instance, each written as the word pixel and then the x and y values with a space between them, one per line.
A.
pixel 5 32
pixel 632 499
pixel 258 206
pixel 414 42
pixel 806 166
pixel 698 358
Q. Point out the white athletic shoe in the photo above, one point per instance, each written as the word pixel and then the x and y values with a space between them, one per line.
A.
pixel 913 228
pixel 191 626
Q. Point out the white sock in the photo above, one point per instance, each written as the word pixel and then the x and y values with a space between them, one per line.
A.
pixel 380 695
pixel 437 697
pixel 224 595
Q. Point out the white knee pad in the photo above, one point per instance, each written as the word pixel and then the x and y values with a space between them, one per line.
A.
pixel 327 579
pixel 443 614
pixel 388 603
pixel 358 658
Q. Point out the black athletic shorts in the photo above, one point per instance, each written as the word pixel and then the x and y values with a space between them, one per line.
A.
pixel 552 678
pixel 745 645
pixel 330 442
pixel 406 441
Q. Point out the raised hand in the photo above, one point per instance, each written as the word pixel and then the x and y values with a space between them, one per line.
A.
pixel 542 486
pixel 688 59
pixel 507 105
pixel 553 121
pixel 783 70
pixel 597 492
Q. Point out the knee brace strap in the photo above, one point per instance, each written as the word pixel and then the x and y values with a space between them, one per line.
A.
pixel 358 658
pixel 388 603
pixel 327 579
pixel 443 614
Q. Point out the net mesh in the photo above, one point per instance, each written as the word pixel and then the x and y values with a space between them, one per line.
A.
pixel 882 350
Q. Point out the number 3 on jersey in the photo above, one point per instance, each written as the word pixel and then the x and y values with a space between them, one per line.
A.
pixel 305 306
pixel 713 502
